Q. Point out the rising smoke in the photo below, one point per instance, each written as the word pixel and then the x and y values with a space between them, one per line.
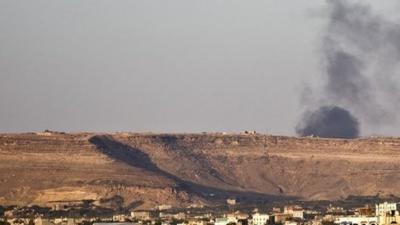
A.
pixel 361 55
pixel 329 121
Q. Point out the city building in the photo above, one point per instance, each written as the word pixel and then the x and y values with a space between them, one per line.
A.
pixel 386 208
pixel 388 219
pixel 231 201
pixel 221 221
pixel 141 215
pixel 357 220
pixel 164 207
pixel 365 211
pixel 260 218
pixel 295 211
pixel 332 210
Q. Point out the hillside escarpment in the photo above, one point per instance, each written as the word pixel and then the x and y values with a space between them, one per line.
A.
pixel 183 169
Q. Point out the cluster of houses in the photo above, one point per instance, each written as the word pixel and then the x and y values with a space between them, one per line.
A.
pixel 385 213
pixel 382 214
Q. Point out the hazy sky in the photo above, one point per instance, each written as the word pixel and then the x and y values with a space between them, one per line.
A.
pixel 162 65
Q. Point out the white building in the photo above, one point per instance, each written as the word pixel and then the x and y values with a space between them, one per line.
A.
pixel 295 211
pixel 221 221
pixel 357 220
pixel 260 218
pixel 387 208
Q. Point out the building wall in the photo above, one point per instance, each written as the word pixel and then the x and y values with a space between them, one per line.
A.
pixel 388 220
pixel 384 208
pixel 260 219
pixel 359 220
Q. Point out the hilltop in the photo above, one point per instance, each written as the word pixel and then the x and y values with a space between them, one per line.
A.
pixel 146 170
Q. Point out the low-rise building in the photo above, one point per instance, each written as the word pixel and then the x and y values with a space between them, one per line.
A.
pixel 364 211
pixel 281 217
pixel 276 210
pixel 387 208
pixel 335 210
pixel 164 207
pixel 357 220
pixel 196 222
pixel 221 221
pixel 119 217
pixel 225 220
pixel 290 223
pixel 241 215
pixel 114 223
pixel 295 211
pixel 388 219
pixel 18 221
pixel 141 215
pixel 260 218
pixel 231 201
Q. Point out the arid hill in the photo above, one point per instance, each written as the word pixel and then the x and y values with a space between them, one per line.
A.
pixel 147 170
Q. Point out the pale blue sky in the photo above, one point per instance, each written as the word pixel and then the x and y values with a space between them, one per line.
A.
pixel 161 66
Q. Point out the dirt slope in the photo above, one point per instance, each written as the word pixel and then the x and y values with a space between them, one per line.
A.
pixel 184 169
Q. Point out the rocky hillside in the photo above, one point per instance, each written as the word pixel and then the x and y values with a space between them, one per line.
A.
pixel 147 170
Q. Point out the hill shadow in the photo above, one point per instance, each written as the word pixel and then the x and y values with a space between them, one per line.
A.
pixel 138 158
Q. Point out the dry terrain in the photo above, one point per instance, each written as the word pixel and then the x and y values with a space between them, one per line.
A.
pixel 147 170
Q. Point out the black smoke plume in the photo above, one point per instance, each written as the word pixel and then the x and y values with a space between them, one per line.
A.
pixel 329 122
pixel 360 55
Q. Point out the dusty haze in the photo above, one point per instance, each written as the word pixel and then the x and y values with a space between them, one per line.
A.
pixel 181 66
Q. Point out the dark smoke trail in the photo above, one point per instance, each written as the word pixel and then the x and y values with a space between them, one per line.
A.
pixel 329 122
pixel 361 54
